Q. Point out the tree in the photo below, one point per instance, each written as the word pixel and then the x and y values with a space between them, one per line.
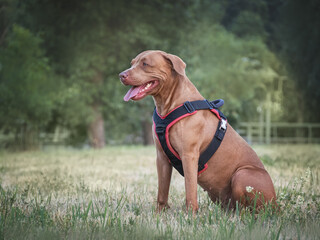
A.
pixel 26 86
pixel 89 45
pixel 222 65
pixel 297 42
pixel 82 46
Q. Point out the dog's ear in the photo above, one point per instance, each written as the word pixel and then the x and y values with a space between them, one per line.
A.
pixel 177 64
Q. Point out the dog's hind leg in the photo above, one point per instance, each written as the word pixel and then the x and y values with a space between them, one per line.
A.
pixel 252 187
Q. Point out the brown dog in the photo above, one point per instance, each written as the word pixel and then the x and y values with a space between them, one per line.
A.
pixel 234 173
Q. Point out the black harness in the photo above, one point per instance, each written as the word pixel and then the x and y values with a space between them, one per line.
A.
pixel 163 124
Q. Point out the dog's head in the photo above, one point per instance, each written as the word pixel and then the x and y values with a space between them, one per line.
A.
pixel 148 73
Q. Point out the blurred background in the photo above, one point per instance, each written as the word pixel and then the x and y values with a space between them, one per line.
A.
pixel 60 60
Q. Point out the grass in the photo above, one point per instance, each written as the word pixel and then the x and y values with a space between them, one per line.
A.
pixel 111 194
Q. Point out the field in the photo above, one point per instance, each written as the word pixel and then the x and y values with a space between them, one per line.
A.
pixel 111 194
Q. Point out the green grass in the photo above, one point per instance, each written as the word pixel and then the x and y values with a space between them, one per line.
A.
pixel 111 194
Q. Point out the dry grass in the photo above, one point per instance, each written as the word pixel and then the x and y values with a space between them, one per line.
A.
pixel 111 193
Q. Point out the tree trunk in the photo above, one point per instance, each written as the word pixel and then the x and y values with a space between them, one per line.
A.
pixel 147 132
pixel 28 138
pixel 96 126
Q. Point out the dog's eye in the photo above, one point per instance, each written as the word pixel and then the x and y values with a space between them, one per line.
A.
pixel 144 64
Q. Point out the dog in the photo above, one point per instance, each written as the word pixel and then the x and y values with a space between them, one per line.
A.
pixel 233 175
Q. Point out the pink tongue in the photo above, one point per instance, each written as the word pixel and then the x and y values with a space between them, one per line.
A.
pixel 132 93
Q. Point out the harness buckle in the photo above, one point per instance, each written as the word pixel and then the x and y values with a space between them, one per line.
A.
pixel 189 107
pixel 223 125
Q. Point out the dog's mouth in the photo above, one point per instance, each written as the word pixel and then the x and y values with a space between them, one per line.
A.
pixel 139 92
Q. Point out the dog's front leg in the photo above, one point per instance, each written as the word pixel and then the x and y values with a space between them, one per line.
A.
pixel 164 169
pixel 190 168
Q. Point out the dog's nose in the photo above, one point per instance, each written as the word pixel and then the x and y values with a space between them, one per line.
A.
pixel 123 76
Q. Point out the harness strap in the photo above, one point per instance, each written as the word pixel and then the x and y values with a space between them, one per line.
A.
pixel 212 148
pixel 163 124
pixel 204 104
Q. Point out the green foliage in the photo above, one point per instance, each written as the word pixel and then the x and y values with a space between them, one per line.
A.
pixel 248 24
pixel 26 82
pixel 88 51
pixel 297 40
pixel 26 87
pixel 221 65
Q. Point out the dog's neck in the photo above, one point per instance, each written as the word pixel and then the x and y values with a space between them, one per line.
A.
pixel 170 96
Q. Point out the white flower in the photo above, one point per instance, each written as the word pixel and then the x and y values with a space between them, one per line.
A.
pixel 249 189
pixel 308 173
pixel 300 200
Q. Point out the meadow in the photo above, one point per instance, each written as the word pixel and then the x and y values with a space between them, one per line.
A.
pixel 62 193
